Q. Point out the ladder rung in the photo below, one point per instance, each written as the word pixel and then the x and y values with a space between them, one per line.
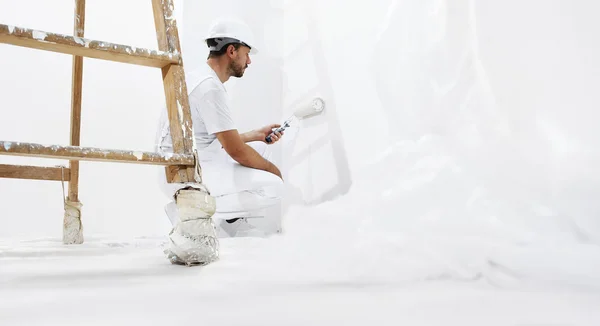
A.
pixel 85 47
pixel 35 172
pixel 77 153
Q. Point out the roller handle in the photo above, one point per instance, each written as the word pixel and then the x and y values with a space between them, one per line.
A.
pixel 268 139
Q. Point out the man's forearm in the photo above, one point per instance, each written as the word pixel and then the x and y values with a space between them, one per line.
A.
pixel 249 136
pixel 248 157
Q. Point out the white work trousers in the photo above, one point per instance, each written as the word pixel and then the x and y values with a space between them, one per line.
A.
pixel 239 191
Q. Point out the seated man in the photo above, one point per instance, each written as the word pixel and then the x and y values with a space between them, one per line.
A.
pixel 235 167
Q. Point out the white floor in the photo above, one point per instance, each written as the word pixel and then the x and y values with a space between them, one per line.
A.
pixel 420 251
pixel 285 281
pixel 471 130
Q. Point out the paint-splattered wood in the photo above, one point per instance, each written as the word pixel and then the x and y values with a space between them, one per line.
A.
pixel 94 154
pixel 85 47
pixel 76 88
pixel 34 172
pixel 176 95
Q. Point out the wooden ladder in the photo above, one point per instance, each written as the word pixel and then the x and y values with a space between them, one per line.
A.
pixel 179 167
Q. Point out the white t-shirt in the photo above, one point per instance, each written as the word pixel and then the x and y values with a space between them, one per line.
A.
pixel 210 108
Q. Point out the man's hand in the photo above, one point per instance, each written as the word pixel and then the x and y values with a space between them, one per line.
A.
pixel 261 134
pixel 267 130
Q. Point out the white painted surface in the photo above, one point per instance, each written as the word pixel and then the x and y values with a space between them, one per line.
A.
pixel 121 106
pixel 470 132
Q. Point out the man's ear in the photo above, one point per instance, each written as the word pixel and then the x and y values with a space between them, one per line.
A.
pixel 231 50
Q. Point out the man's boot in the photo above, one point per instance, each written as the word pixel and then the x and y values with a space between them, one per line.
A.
pixel 193 240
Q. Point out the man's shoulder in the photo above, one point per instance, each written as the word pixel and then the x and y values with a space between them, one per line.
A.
pixel 202 80
pixel 208 83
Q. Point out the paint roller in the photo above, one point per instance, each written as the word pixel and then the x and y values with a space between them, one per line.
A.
pixel 304 111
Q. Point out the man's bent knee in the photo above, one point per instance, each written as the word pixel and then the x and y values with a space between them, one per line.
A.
pixel 275 189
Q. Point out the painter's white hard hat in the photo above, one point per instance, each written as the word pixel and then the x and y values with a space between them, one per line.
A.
pixel 228 29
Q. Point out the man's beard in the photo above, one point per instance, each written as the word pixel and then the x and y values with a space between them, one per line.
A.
pixel 237 70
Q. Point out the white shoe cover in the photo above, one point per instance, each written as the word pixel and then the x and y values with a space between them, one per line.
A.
pixel 239 228
pixel 193 240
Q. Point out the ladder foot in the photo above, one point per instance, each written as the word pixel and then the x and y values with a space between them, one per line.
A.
pixel 72 226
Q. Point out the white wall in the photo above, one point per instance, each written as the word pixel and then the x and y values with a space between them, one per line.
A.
pixel 507 89
pixel 121 104
pixel 505 93
pixel 543 65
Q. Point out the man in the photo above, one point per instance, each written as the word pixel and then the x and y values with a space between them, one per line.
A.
pixel 235 166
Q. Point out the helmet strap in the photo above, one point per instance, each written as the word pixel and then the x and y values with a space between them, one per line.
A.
pixel 224 41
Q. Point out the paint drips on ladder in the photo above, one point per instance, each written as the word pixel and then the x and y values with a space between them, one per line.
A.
pixel 180 111
pixel 38 35
pixel 79 41
pixel 28 149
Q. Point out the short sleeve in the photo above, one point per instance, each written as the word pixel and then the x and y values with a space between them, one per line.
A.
pixel 213 109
